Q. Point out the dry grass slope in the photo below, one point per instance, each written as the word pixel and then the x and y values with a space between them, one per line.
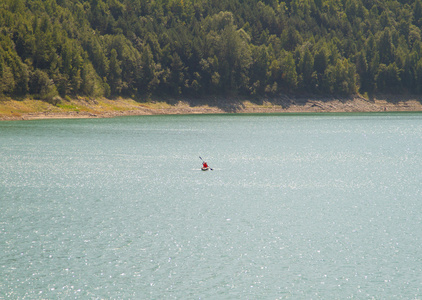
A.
pixel 104 108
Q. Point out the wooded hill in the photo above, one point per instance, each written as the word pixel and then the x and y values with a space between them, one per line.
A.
pixel 133 48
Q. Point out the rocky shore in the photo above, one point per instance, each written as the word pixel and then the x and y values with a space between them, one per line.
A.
pixel 106 108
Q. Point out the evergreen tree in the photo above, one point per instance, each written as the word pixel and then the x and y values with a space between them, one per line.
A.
pixel 140 47
pixel 115 73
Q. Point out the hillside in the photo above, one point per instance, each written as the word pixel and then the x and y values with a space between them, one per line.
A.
pixel 55 49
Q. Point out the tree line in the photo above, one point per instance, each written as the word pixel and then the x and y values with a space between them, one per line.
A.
pixel 133 48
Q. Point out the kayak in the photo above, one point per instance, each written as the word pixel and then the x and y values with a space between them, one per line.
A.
pixel 205 169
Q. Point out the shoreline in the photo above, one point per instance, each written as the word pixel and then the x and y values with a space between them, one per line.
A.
pixel 27 109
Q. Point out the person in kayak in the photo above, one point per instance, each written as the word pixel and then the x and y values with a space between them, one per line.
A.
pixel 204 165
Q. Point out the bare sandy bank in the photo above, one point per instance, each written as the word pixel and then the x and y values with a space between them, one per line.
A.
pixel 106 108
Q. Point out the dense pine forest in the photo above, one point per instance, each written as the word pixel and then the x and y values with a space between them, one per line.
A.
pixel 133 48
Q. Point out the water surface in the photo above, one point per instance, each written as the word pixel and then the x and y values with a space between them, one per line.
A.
pixel 298 206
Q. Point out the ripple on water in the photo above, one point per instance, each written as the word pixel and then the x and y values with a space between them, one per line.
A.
pixel 310 206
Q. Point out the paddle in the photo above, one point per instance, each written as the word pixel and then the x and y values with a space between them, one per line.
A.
pixel 204 161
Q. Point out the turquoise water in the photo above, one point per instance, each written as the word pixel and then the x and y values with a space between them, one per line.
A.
pixel 298 206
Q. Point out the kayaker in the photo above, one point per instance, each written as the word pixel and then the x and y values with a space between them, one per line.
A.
pixel 204 165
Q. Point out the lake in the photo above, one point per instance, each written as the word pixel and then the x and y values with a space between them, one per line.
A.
pixel 297 206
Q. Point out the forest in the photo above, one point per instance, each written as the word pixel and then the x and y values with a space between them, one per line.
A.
pixel 53 49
